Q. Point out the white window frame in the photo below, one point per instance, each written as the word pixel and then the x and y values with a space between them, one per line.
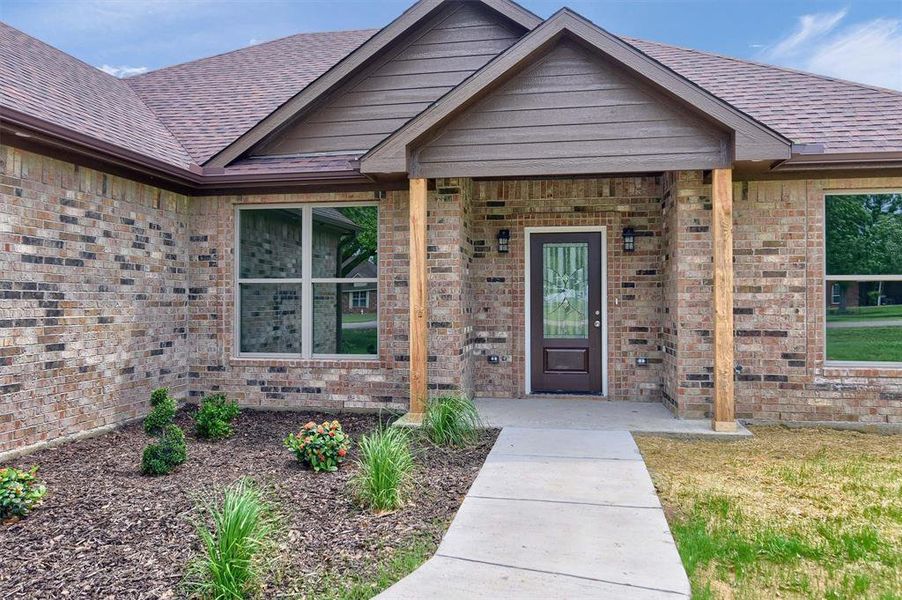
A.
pixel 831 279
pixel 306 281
pixel 366 299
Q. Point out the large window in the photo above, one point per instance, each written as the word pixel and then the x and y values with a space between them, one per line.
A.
pixel 864 277
pixel 295 264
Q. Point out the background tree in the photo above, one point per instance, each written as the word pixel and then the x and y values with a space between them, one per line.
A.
pixel 360 247
pixel 864 234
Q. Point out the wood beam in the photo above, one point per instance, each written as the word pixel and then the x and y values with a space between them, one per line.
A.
pixel 722 230
pixel 417 288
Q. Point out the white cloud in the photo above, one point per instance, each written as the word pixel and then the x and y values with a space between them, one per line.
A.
pixel 810 29
pixel 123 71
pixel 868 51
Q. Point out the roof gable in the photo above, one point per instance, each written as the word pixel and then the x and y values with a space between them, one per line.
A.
pixel 751 140
pixel 363 55
pixel 433 58
pixel 571 112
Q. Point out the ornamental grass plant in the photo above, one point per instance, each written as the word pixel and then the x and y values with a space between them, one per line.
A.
pixel 451 421
pixel 385 466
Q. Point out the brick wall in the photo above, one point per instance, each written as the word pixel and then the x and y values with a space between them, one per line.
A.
pixel 93 297
pixel 110 288
pixel 779 302
pixel 634 279
pixel 333 384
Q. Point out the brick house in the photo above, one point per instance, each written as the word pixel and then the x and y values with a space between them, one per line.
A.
pixel 547 208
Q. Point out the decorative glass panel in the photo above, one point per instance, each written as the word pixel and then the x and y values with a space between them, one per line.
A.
pixel 338 327
pixel 270 243
pixel 271 318
pixel 565 292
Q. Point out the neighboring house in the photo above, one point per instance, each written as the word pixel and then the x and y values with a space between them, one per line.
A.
pixel 361 297
pixel 605 216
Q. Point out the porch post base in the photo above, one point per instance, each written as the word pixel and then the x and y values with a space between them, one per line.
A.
pixel 410 419
pixel 724 426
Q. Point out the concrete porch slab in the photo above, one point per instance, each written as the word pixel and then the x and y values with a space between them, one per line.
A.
pixel 444 578
pixel 561 412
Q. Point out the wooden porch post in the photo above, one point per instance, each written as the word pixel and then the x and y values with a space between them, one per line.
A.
pixel 417 287
pixel 722 229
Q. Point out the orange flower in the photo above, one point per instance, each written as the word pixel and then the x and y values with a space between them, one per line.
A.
pixel 310 425
pixel 342 451
pixel 331 434
pixel 319 429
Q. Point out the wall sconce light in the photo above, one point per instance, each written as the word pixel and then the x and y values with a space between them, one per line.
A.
pixel 504 241
pixel 629 239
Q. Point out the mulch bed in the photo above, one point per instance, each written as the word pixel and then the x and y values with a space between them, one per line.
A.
pixel 106 531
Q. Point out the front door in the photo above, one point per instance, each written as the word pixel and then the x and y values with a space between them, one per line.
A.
pixel 566 322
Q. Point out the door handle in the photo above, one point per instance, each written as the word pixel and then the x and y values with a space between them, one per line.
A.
pixel 597 323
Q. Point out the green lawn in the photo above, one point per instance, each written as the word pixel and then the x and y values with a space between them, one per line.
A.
pixel 358 341
pixel 865 343
pixel 893 311
pixel 787 514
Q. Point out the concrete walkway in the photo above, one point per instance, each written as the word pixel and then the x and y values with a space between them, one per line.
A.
pixel 555 515
pixel 864 323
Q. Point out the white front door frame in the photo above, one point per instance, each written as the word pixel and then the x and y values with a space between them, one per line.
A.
pixel 602 231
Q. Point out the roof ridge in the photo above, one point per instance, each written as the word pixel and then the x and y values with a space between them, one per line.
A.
pixel 767 65
pixel 243 48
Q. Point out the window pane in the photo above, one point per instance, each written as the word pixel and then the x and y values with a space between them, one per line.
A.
pixel 338 326
pixel 866 324
pixel 271 317
pixel 344 241
pixel 270 243
pixel 864 234
pixel 565 274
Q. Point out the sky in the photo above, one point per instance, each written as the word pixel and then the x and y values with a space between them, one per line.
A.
pixel 860 40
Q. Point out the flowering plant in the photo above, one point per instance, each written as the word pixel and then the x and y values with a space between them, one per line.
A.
pixel 323 446
pixel 19 492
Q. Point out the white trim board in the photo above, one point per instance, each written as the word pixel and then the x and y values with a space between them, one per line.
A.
pixel 602 231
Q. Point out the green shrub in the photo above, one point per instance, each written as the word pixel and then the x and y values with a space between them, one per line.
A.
pixel 236 549
pixel 451 421
pixel 19 492
pixel 385 466
pixel 161 413
pixel 166 453
pixel 158 396
pixel 214 419
pixel 323 447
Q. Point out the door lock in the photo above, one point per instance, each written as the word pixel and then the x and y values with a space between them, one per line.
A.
pixel 597 323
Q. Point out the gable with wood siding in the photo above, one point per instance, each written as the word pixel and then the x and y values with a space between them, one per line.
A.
pixel 434 58
pixel 572 109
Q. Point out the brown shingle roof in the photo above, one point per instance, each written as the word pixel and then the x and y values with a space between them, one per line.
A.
pixel 806 108
pixel 187 113
pixel 210 102
pixel 43 82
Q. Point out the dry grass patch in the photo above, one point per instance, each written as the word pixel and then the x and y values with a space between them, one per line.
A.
pixel 787 514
